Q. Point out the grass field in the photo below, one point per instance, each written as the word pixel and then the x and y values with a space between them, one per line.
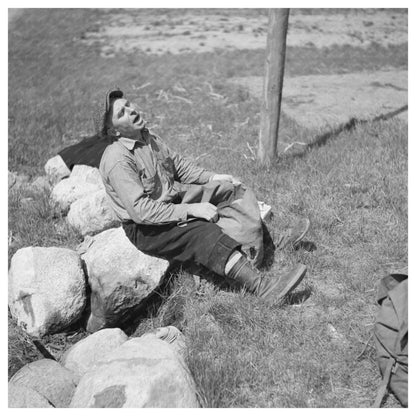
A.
pixel 315 349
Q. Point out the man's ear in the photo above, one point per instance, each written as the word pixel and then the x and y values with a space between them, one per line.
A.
pixel 113 132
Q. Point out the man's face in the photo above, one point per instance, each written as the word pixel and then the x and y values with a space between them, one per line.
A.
pixel 125 118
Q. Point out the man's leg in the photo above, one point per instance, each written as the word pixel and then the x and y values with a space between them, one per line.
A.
pixel 205 244
pixel 198 242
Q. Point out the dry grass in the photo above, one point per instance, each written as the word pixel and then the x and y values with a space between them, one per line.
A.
pixel 315 350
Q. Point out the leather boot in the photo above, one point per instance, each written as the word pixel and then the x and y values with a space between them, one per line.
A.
pixel 268 289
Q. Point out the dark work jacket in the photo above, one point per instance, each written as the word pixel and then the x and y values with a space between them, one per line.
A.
pixel 86 152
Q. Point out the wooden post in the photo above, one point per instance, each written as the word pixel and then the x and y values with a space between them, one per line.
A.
pixel 273 84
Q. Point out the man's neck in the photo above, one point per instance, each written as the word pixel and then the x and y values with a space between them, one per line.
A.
pixel 139 136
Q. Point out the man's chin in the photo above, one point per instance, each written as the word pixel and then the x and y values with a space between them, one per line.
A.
pixel 140 126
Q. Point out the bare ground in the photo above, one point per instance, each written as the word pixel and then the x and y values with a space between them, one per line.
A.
pixel 313 101
pixel 319 101
pixel 191 31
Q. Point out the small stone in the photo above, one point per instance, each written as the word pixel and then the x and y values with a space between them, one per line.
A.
pixel 25 397
pixel 48 378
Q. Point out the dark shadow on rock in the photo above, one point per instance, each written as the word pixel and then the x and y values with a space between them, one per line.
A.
pixel 148 306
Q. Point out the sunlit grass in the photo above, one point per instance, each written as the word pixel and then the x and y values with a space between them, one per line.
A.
pixel 315 351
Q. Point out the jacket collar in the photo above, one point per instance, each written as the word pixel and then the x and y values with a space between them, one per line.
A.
pixel 131 143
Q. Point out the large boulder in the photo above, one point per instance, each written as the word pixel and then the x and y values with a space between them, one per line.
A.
pixel 86 353
pixel 83 181
pixel 48 378
pixel 143 372
pixel 171 335
pixel 47 289
pixel 88 174
pixel 56 169
pixel 25 397
pixel 92 214
pixel 120 277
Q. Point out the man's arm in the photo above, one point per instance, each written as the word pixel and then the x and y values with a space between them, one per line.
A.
pixel 187 172
pixel 144 210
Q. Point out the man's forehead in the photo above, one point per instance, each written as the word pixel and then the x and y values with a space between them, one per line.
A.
pixel 118 102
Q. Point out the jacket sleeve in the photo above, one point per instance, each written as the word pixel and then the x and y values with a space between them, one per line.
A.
pixel 142 209
pixel 187 172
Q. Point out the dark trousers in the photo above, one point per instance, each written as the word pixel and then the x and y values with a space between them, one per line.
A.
pixel 194 242
pixel 197 242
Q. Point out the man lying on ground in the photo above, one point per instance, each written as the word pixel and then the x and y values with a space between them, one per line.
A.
pixel 168 206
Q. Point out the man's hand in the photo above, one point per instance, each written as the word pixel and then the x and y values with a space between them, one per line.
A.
pixel 203 210
pixel 226 178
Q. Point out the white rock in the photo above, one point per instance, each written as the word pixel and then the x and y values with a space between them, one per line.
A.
pixel 56 169
pixel 143 372
pixel 25 397
pixel 47 289
pixel 171 335
pixel 87 174
pixel 71 189
pixel 48 378
pixel 84 354
pixel 120 277
pixel 84 180
pixel 92 214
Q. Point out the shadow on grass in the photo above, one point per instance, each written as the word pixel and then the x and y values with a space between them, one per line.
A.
pixel 297 297
pixel 322 139
pixel 305 245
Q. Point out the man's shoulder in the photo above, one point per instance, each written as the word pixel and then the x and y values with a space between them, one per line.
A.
pixel 113 154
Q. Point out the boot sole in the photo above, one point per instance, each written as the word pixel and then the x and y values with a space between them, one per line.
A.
pixel 297 275
pixel 294 282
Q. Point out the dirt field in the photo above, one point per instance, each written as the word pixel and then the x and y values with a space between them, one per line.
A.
pixel 192 31
pixel 319 101
pixel 313 101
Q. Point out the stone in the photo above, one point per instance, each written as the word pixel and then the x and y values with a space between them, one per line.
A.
pixel 171 335
pixel 84 180
pixel 84 354
pixel 92 214
pixel 56 169
pixel 120 276
pixel 47 289
pixel 69 190
pixel 48 378
pixel 87 174
pixel 143 372
pixel 16 181
pixel 25 397
pixel 27 202
pixel 41 184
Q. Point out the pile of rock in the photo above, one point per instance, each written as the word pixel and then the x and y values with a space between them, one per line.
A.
pixel 109 370
pixel 82 196
pixel 48 286
pixel 106 276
